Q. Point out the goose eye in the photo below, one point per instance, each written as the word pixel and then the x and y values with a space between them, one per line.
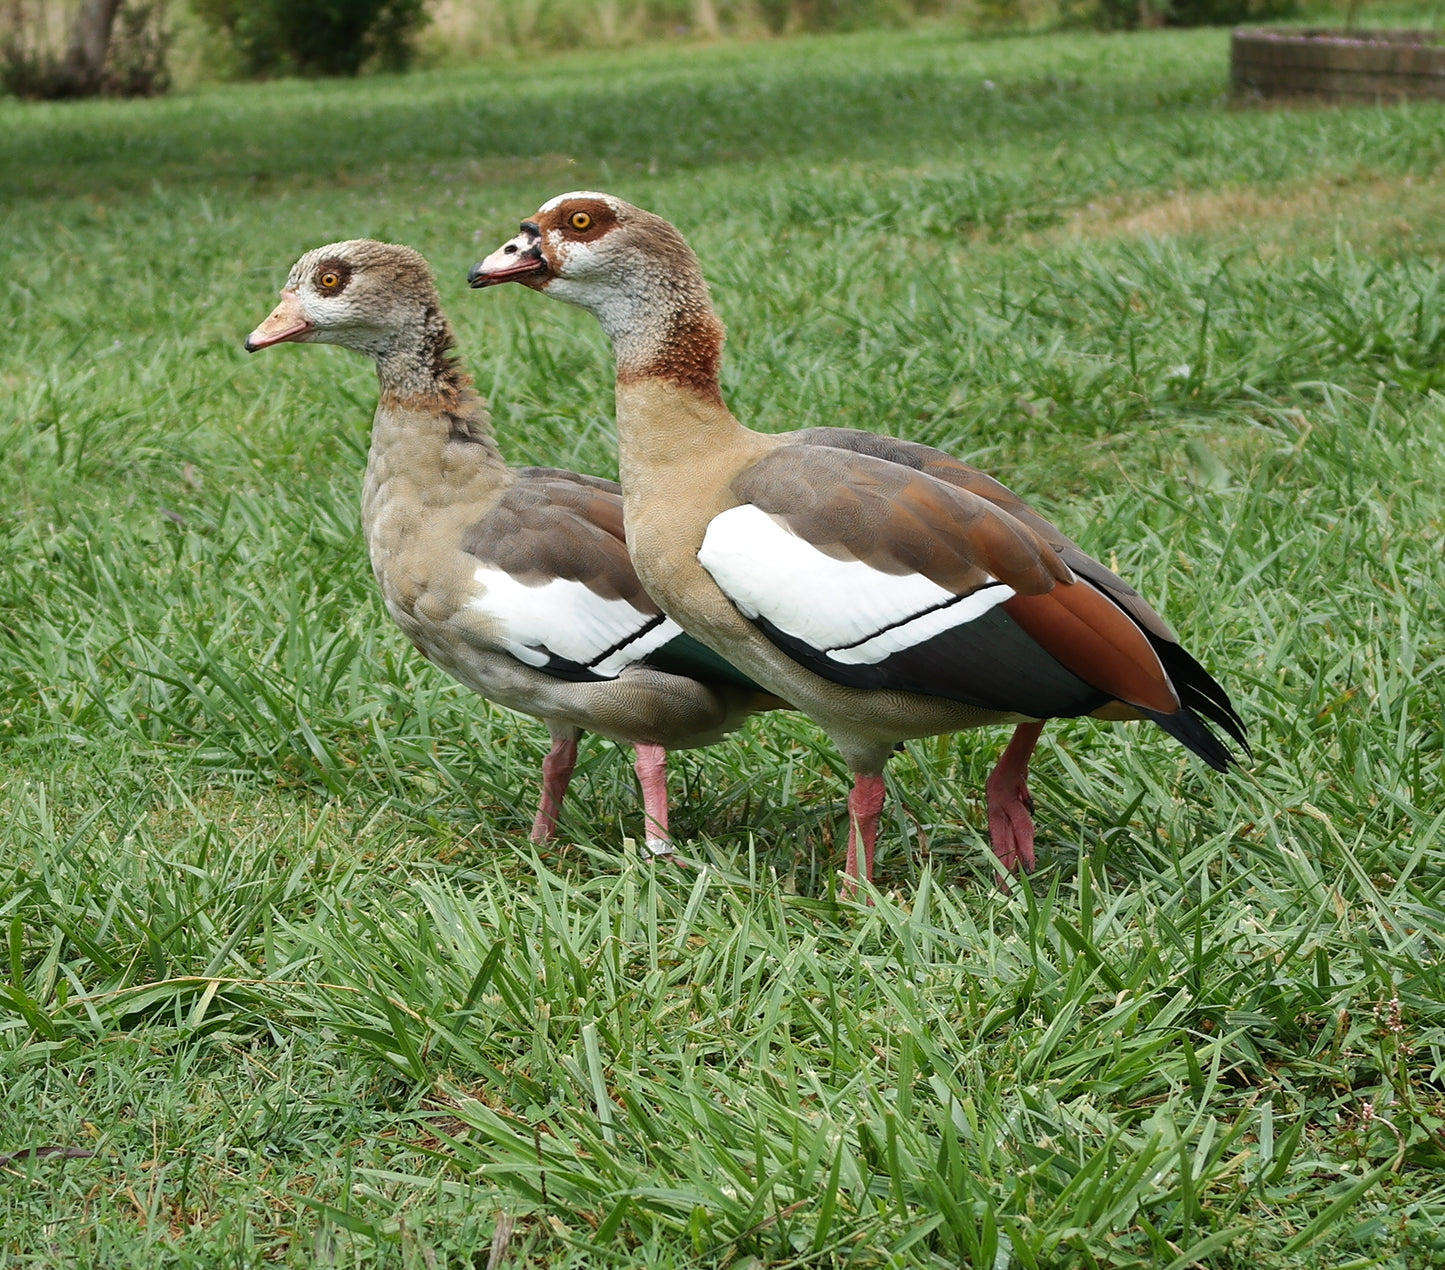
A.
pixel 329 280
pixel 579 220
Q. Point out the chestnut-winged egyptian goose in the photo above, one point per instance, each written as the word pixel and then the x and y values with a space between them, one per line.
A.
pixel 885 588
pixel 514 581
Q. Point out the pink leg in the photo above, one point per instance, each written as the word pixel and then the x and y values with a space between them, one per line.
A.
pixel 556 776
pixel 651 768
pixel 865 806
pixel 1010 809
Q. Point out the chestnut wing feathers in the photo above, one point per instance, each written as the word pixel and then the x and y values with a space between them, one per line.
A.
pixel 944 467
pixel 1196 688
pixel 885 564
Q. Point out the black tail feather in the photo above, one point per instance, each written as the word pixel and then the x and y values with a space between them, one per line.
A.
pixel 1193 733
pixel 1199 693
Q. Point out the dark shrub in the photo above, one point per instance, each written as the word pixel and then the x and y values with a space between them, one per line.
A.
pixel 1227 12
pixel 317 37
pixel 1128 15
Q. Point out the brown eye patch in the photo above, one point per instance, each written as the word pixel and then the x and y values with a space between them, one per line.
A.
pixel 331 276
pixel 583 222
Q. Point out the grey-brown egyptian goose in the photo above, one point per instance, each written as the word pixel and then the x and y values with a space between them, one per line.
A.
pixel 885 588
pixel 514 581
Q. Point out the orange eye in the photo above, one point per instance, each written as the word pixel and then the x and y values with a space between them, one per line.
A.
pixel 329 280
pixel 579 220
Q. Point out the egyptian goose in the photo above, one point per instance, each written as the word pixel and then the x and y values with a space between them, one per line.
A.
pixel 883 587
pixel 515 581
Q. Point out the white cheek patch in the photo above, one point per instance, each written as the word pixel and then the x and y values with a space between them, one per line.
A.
pixel 569 256
pixel 855 613
pixel 559 248
pixel 582 276
pixel 563 619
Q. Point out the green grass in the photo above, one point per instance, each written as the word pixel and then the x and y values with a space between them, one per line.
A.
pixel 276 963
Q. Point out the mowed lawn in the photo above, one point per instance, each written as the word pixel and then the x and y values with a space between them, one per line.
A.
pixel 282 981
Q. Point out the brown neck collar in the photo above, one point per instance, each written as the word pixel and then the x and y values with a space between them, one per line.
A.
pixel 687 352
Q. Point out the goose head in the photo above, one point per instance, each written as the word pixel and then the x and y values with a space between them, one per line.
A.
pixel 628 267
pixel 361 294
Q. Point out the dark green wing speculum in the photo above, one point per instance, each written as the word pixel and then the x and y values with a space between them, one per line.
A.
pixel 683 655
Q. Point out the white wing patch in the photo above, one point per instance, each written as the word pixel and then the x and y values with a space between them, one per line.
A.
pixel 855 613
pixel 635 649
pixel 870 652
pixel 563 619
